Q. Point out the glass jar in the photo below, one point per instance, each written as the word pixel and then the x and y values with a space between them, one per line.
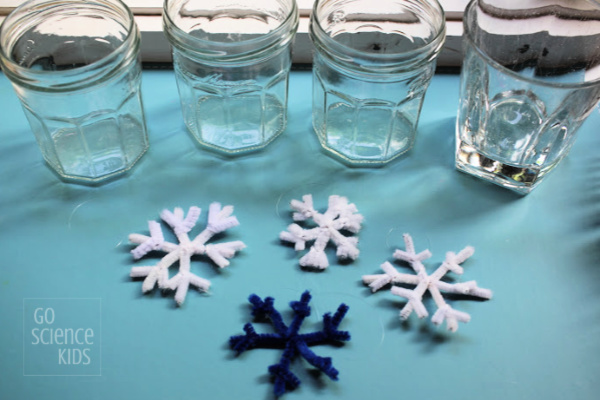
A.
pixel 372 65
pixel 232 62
pixel 530 77
pixel 74 66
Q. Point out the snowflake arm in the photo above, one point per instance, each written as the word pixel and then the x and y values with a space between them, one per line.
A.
pixel 181 225
pixel 340 216
pixel 183 279
pixel 465 288
pixel 346 246
pixel 345 214
pixel 219 220
pixel 252 340
pixel 221 253
pixel 428 283
pixel 330 330
pixel 157 274
pixel 378 281
pixel 290 340
pixel 146 244
pixel 283 378
pixel 324 364
pixel 453 261
pixel 304 209
pixel 316 256
pixel 266 309
pixel 295 234
pixel 415 300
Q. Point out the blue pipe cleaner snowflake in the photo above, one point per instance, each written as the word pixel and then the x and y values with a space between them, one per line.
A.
pixel 289 339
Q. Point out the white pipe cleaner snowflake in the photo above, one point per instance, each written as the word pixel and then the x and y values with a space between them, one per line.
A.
pixel 431 283
pixel 219 220
pixel 340 216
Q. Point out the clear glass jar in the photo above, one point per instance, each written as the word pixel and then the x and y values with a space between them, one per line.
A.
pixel 372 65
pixel 74 66
pixel 530 77
pixel 232 62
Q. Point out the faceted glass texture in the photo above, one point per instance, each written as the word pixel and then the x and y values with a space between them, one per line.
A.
pixel 234 109
pixel 90 146
pixel 366 122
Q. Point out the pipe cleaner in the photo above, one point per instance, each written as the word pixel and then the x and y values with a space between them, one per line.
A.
pixel 340 216
pixel 219 220
pixel 288 338
pixel 431 283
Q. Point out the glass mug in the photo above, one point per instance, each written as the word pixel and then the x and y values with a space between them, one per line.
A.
pixel 232 61
pixel 530 77
pixel 372 65
pixel 74 66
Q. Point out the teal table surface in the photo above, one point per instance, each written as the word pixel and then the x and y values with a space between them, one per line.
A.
pixel 65 253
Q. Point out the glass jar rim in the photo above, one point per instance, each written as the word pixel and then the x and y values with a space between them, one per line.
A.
pixel 13 19
pixel 468 36
pixel 174 33
pixel 343 51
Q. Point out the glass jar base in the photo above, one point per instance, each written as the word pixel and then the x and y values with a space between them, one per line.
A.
pixel 359 163
pixel 87 180
pixel 237 124
pixel 520 179
pixel 351 158
pixel 232 152
pixel 364 136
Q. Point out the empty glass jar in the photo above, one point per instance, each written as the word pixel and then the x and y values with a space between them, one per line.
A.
pixel 372 65
pixel 74 66
pixel 530 78
pixel 232 62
